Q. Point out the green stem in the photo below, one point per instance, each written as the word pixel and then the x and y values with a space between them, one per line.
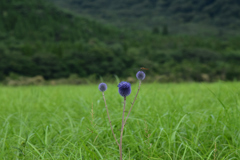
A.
pixel 133 102
pixel 120 146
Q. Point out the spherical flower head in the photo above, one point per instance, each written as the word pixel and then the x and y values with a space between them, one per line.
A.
pixel 124 88
pixel 102 87
pixel 140 75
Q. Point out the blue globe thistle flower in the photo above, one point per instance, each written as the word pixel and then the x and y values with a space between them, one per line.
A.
pixel 124 88
pixel 102 87
pixel 140 75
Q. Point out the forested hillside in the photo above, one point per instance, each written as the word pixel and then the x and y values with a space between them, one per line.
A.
pixel 29 19
pixel 37 38
pixel 178 15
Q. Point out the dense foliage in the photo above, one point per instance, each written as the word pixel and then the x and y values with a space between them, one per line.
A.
pixel 150 13
pixel 40 39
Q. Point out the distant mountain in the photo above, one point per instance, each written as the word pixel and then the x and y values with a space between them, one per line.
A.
pixel 156 13
pixel 38 38
pixel 42 21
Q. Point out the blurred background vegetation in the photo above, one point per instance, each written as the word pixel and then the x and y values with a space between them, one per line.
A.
pixel 79 41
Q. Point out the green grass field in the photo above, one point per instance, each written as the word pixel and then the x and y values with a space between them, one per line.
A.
pixel 168 121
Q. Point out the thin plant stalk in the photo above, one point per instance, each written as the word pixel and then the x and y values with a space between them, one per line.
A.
pixel 124 94
pixel 123 123
pixel 133 101
pixel 109 119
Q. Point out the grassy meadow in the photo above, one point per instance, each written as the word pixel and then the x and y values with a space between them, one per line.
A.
pixel 168 121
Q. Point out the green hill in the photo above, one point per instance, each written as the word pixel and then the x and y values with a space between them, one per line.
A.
pixel 37 38
pixel 181 16
pixel 39 20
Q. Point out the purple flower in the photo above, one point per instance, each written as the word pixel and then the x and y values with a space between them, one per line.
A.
pixel 124 88
pixel 102 87
pixel 140 75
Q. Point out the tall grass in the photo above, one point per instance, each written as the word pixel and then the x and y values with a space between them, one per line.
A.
pixel 168 121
